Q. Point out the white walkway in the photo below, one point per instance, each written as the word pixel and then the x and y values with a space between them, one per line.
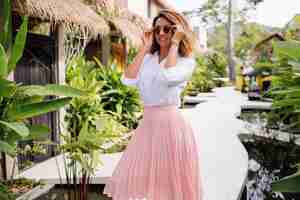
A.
pixel 224 161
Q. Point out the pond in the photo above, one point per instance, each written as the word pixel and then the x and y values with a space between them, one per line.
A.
pixel 271 157
pixel 59 192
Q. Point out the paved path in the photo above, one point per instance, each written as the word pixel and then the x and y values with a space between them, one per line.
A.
pixel 224 161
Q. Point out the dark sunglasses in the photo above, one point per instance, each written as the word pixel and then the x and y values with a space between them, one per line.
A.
pixel 166 29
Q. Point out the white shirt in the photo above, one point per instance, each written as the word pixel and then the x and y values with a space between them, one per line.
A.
pixel 158 85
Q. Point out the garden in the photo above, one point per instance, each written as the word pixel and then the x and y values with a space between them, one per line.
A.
pixel 92 113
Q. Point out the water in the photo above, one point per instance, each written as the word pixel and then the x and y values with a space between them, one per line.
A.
pixel 271 157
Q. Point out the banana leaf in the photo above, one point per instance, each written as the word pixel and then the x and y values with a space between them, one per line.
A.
pixel 292 92
pixel 288 184
pixel 6 148
pixel 20 112
pixel 37 131
pixel 18 46
pixel 18 127
pixel 6 34
pixel 286 102
pixel 3 62
pixel 7 88
pixel 28 100
pixel 287 48
pixel 50 89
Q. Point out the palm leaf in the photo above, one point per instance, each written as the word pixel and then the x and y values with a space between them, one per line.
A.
pixel 287 48
pixel 38 131
pixel 29 100
pixel 5 34
pixel 7 88
pixel 288 184
pixel 18 46
pixel 6 148
pixel 3 62
pixel 20 112
pixel 18 127
pixel 50 89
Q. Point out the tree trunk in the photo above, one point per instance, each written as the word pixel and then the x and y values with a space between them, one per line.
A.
pixel 230 43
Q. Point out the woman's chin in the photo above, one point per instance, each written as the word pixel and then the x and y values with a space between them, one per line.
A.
pixel 164 44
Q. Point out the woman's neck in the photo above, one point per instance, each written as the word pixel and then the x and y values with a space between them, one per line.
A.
pixel 163 52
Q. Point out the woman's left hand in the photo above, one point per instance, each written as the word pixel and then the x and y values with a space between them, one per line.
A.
pixel 178 34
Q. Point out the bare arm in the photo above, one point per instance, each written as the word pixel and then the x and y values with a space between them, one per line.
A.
pixel 132 70
pixel 172 55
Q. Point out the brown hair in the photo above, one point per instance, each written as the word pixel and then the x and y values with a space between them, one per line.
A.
pixel 175 18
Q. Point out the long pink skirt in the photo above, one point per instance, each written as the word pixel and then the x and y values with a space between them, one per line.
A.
pixel 161 161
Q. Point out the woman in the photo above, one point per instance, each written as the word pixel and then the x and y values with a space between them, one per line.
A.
pixel 161 160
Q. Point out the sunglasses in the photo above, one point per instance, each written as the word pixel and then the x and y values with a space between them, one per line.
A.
pixel 166 29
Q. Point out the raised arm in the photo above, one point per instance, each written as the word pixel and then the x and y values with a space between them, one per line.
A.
pixel 171 59
pixel 177 70
pixel 132 70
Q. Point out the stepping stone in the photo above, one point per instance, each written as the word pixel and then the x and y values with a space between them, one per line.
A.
pixel 193 100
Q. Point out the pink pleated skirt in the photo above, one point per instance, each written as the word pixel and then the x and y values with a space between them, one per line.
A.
pixel 160 162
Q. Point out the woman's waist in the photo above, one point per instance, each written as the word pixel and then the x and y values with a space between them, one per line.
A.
pixel 160 110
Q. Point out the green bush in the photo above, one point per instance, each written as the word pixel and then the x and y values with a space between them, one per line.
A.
pixel 285 92
pixel 5 193
pixel 202 79
pixel 117 98
pixel 217 63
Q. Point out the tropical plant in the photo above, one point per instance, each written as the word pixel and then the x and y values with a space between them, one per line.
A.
pixel 216 62
pixel 20 102
pixel 5 193
pixel 286 95
pixel 118 99
pixel 202 78
pixel 89 128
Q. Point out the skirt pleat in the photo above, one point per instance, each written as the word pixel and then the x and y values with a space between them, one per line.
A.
pixel 160 162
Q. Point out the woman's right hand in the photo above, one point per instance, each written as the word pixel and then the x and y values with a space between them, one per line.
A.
pixel 147 40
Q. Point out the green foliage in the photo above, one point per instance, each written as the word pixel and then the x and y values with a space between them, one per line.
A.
pixel 120 100
pixel 89 126
pixel 216 62
pixel 285 92
pixel 10 57
pixel 89 109
pixel 202 78
pixel 250 35
pixel 16 102
pixel 292 30
pixel 5 193
pixel 132 52
pixel 286 85
pixel 216 11
pixel 289 183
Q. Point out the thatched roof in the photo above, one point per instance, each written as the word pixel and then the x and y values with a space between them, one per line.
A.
pixel 128 23
pixel 131 25
pixel 69 12
pixel 267 39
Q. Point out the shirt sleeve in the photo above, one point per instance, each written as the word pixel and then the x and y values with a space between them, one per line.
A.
pixel 129 81
pixel 178 74
pixel 133 81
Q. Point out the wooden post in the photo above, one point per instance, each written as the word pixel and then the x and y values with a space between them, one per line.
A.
pixel 105 49
pixel 60 54
pixel 60 78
